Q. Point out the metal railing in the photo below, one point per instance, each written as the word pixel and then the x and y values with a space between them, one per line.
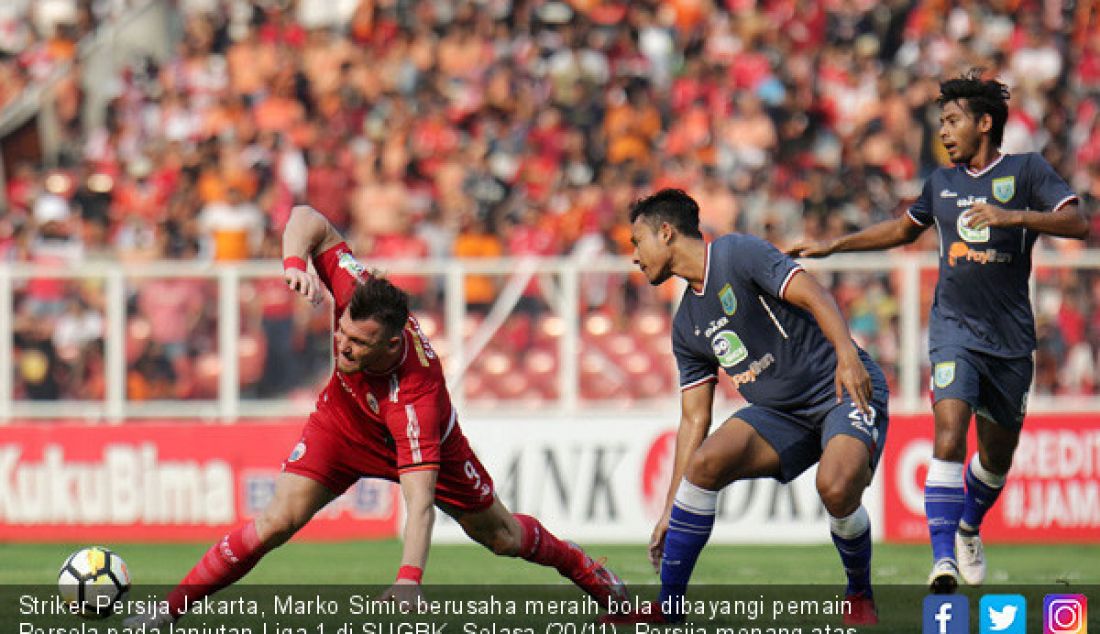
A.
pixel 562 276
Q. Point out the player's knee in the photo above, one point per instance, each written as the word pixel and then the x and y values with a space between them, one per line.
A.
pixel 499 540
pixel 950 443
pixel 704 470
pixel 997 462
pixel 275 526
pixel 840 494
pixel 504 543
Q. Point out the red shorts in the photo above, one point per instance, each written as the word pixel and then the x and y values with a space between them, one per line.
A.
pixel 327 456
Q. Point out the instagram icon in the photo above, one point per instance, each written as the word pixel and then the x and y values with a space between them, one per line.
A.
pixel 1065 614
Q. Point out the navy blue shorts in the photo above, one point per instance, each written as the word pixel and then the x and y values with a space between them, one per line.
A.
pixel 800 436
pixel 994 387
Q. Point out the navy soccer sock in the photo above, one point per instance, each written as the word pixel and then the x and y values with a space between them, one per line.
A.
pixel 982 490
pixel 852 536
pixel 943 504
pixel 688 530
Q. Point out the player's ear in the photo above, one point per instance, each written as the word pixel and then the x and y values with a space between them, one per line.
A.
pixel 985 123
pixel 665 233
pixel 395 342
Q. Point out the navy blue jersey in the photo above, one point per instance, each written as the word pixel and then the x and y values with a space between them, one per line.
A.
pixel 773 351
pixel 982 301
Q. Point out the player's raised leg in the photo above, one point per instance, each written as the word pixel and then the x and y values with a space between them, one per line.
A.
pixel 842 475
pixel 943 491
pixel 296 499
pixel 985 477
pixel 518 535
pixel 735 451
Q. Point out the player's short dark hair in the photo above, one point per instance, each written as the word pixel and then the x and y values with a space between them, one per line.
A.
pixel 377 298
pixel 673 206
pixel 982 97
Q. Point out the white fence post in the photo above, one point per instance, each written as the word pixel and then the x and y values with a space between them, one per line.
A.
pixel 569 350
pixel 229 332
pixel 115 345
pixel 454 313
pixel 909 326
pixel 6 353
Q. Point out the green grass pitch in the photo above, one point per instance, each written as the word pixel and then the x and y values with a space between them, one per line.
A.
pixel 375 562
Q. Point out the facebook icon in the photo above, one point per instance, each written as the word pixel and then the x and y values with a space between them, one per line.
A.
pixel 946 614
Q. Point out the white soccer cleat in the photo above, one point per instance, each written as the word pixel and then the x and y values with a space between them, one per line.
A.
pixel 944 578
pixel 971 558
pixel 156 622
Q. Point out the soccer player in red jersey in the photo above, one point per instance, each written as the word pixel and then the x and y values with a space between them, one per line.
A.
pixel 385 413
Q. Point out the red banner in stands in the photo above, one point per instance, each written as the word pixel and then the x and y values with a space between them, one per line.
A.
pixel 162 482
pixel 1052 493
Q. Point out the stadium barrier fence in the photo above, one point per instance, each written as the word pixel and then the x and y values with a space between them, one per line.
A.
pixel 569 289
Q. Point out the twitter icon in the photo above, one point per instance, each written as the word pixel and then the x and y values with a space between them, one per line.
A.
pixel 1002 614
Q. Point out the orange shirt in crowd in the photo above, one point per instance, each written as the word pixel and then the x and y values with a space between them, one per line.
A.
pixel 479 288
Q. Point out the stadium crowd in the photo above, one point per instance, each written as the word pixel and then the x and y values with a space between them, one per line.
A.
pixel 478 129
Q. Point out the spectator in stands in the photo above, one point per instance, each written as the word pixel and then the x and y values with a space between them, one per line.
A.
pixel 475 240
pixel 233 228
pixel 375 110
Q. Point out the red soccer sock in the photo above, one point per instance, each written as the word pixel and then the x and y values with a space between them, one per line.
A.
pixel 540 546
pixel 227 561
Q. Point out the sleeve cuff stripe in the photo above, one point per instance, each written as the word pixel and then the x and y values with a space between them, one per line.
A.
pixel 1065 201
pixel 909 212
pixel 423 466
pixel 786 282
pixel 707 379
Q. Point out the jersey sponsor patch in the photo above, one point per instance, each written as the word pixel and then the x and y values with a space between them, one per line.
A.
pixel 968 233
pixel 961 252
pixel 729 300
pixel 348 262
pixel 729 349
pixel 1004 188
pixel 944 374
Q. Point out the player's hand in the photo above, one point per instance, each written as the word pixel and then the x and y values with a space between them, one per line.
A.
pixel 306 284
pixel 657 542
pixel 406 594
pixel 852 376
pixel 811 249
pixel 982 215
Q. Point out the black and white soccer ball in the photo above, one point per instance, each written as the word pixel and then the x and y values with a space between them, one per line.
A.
pixel 93 581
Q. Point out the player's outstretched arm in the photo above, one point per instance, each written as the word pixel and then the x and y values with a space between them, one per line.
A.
pixel 307 233
pixel 1068 221
pixel 883 235
pixel 418 489
pixel 695 418
pixel 804 291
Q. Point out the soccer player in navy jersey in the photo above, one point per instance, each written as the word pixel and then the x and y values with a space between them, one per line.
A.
pixel 814 396
pixel 988 209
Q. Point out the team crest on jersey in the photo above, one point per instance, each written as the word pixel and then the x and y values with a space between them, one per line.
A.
pixel 297 453
pixel 348 262
pixel 729 300
pixel 729 349
pixel 372 403
pixel 944 374
pixel 1004 188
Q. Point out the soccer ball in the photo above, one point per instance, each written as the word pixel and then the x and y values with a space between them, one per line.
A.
pixel 92 581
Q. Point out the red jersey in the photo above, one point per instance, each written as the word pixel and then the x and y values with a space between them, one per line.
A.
pixel 406 411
